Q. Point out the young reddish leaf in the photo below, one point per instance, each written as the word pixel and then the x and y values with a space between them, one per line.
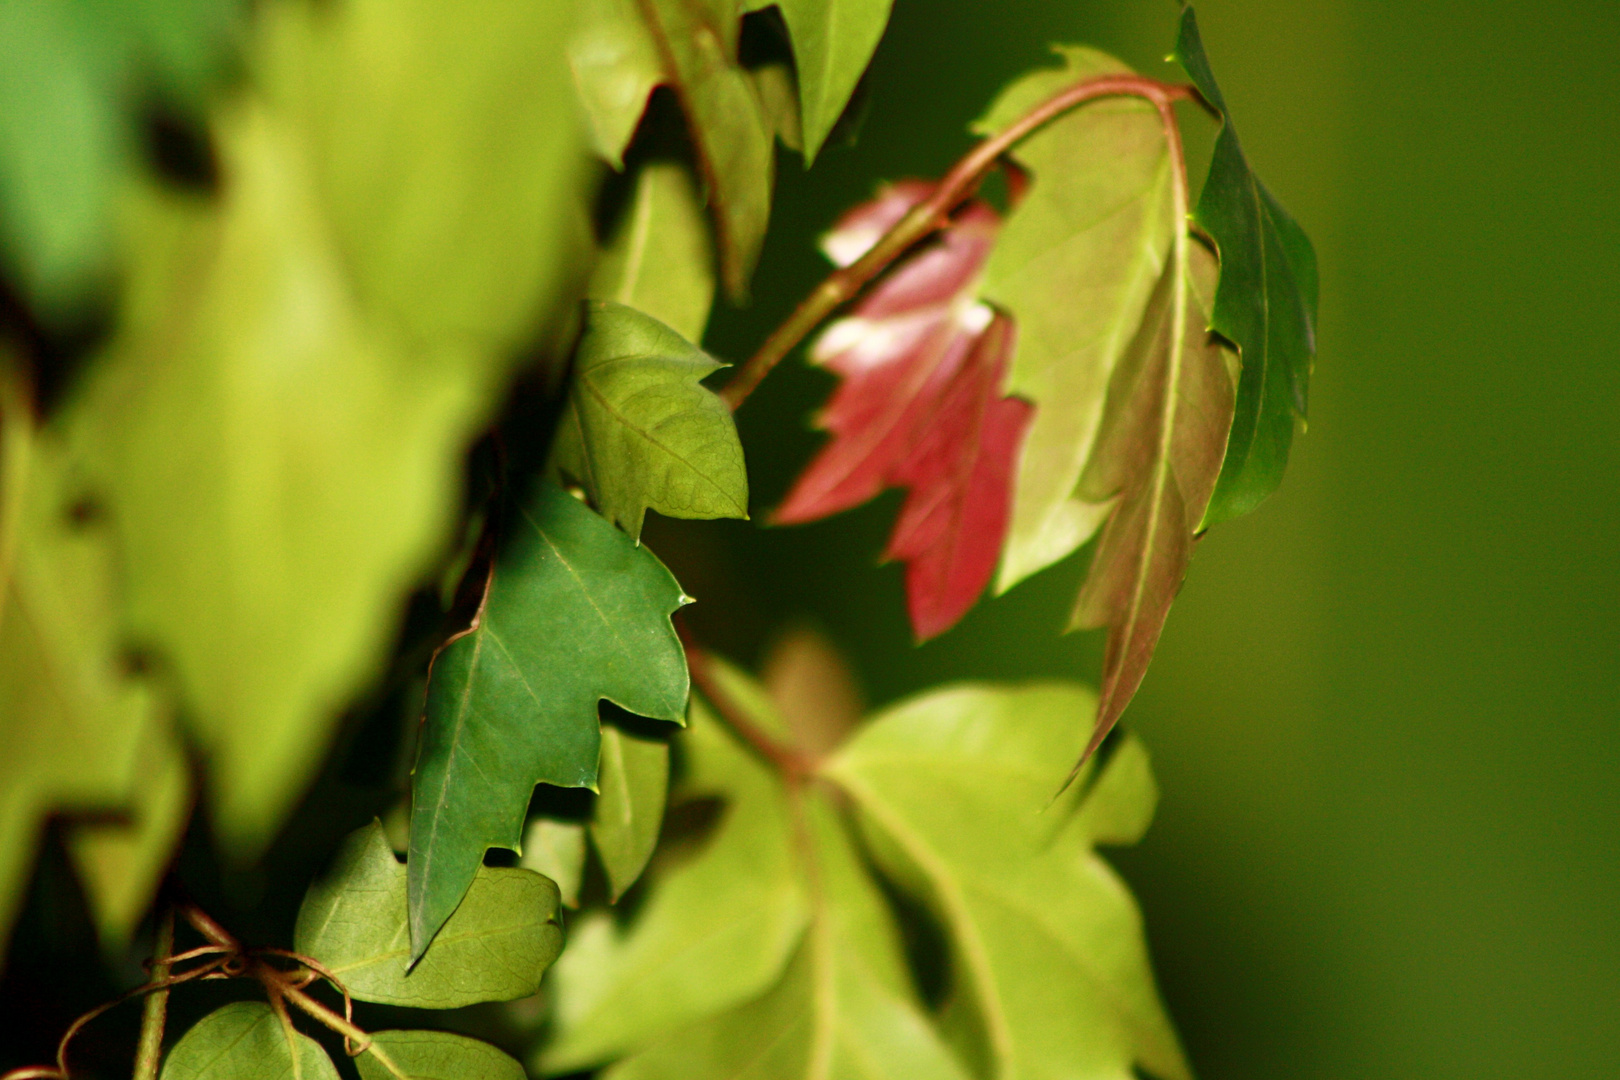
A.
pixel 920 408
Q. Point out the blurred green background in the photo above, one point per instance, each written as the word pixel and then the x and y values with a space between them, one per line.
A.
pixel 1386 711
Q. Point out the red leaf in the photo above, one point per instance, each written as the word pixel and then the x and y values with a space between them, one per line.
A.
pixel 920 408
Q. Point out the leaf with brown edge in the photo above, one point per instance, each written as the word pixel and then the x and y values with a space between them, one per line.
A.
pixel 921 408
pixel 1158 452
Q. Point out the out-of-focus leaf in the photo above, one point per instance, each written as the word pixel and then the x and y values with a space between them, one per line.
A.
pixel 713 932
pixel 575 612
pixel 1265 304
pixel 698 42
pixel 640 431
pixel 557 850
pixel 616 64
pixel 833 41
pixel 779 99
pixel 660 261
pixel 1074 265
pixel 1050 975
pixel 1156 459
pixel 495 947
pixel 630 805
pixel 245 1041
pixel 921 407
pixel 437 1055
pixel 813 687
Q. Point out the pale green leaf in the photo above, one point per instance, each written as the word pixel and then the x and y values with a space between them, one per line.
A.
pixel 557 850
pixel 616 64
pixel 436 1055
pixel 1050 970
pixel 659 260
pixel 246 1041
pixel 630 805
pixel 575 612
pixel 1074 265
pixel 833 41
pixel 779 99
pixel 640 431
pixel 495 947
pixel 713 932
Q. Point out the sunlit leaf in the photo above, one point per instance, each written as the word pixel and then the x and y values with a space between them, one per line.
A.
pixel 246 1041
pixel 616 65
pixel 659 260
pixel 501 939
pixel 575 612
pixel 436 1055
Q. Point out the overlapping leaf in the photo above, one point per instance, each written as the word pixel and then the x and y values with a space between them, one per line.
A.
pixel 501 939
pixel 1073 265
pixel 616 65
pixel 1265 304
pixel 921 407
pixel 659 260
pixel 436 1055
pixel 574 612
pixel 640 431
pixel 245 1041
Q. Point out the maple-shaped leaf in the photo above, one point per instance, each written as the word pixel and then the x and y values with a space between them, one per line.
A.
pixel 920 407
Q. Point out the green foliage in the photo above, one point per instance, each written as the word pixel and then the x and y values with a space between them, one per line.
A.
pixel 497 944
pixel 659 260
pixel 573 612
pixel 634 775
pixel 246 1041
pixel 436 1055
pixel 640 431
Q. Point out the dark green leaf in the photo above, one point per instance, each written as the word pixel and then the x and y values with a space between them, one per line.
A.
pixel 630 806
pixel 246 1041
pixel 641 432
pixel 1265 304
pixel 436 1055
pixel 575 612
pixel 660 261
pixel 495 947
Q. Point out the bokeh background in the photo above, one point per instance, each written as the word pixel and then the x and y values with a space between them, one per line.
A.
pixel 1386 710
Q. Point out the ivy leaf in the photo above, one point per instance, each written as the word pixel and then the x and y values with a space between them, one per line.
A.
pixel 640 430
pixel 698 43
pixel 630 807
pixel 556 849
pixel 1050 974
pixel 574 612
pixel 1074 265
pixel 1266 303
pixel 495 947
pixel 1158 454
pixel 660 261
pixel 920 407
pixel 616 65
pixel 714 932
pixel 437 1055
pixel 246 1041
pixel 833 41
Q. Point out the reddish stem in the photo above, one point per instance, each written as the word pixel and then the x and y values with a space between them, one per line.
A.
pixel 790 761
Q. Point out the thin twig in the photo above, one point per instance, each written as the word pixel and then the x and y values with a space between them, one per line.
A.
pixel 149 1052
pixel 932 214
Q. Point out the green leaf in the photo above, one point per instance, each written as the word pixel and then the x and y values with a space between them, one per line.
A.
pixel 1074 264
pixel 616 65
pixel 1157 457
pixel 557 850
pixel 575 612
pixel 1050 974
pixel 1266 303
pixel 495 947
pixel 779 99
pixel 630 806
pixel 713 932
pixel 833 41
pixel 246 1041
pixel 698 42
pixel 640 431
pixel 437 1055
pixel 660 261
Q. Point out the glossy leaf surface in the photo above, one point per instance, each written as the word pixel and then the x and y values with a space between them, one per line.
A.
pixel 640 431
pixel 437 1055
pixel 575 612
pixel 245 1041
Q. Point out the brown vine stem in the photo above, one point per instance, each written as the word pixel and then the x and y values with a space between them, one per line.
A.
pixel 932 214
pixel 791 762
pixel 155 1011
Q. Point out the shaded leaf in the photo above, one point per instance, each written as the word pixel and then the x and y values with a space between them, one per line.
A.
pixel 1265 304
pixel 660 261
pixel 557 850
pixel 713 932
pixel 1074 265
pixel 920 407
pixel 812 685
pixel 574 612
pixel 245 1041
pixel 640 431
pixel 630 805
pixel 437 1055
pixel 1050 975
pixel 1158 454
pixel 616 65
pixel 501 939
pixel 833 41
